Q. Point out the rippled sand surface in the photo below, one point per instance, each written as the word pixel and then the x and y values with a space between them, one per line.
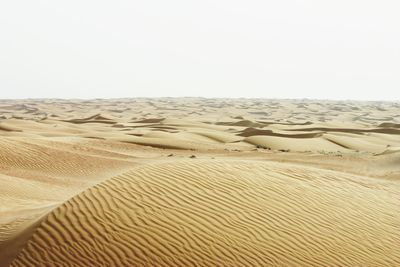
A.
pixel 199 182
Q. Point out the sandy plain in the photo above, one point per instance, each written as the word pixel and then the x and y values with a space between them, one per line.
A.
pixel 199 182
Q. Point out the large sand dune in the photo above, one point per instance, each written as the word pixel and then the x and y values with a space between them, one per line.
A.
pixel 199 182
pixel 223 213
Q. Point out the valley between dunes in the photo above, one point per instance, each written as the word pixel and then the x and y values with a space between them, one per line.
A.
pixel 199 182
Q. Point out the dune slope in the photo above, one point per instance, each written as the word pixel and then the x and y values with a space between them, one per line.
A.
pixel 223 213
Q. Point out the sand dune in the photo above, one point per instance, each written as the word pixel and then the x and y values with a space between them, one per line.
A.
pixel 199 182
pixel 254 132
pixel 298 144
pixel 98 118
pixel 223 213
pixel 38 175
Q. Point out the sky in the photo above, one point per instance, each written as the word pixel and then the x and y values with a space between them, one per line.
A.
pixel 343 49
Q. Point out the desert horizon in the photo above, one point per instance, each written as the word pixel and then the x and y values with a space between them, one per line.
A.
pixel 200 133
pixel 199 182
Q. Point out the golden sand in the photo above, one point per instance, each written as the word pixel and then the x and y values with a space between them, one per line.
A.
pixel 199 182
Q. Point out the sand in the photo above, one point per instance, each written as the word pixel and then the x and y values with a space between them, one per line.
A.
pixel 199 182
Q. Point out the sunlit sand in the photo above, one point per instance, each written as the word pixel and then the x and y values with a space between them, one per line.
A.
pixel 199 182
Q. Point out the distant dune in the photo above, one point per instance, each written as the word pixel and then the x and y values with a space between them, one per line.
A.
pixel 199 182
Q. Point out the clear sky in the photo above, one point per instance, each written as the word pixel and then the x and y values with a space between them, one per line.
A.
pixel 342 49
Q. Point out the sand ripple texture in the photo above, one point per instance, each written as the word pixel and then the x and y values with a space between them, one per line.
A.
pixel 223 213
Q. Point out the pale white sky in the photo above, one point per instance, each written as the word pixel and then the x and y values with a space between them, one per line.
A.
pixel 342 49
